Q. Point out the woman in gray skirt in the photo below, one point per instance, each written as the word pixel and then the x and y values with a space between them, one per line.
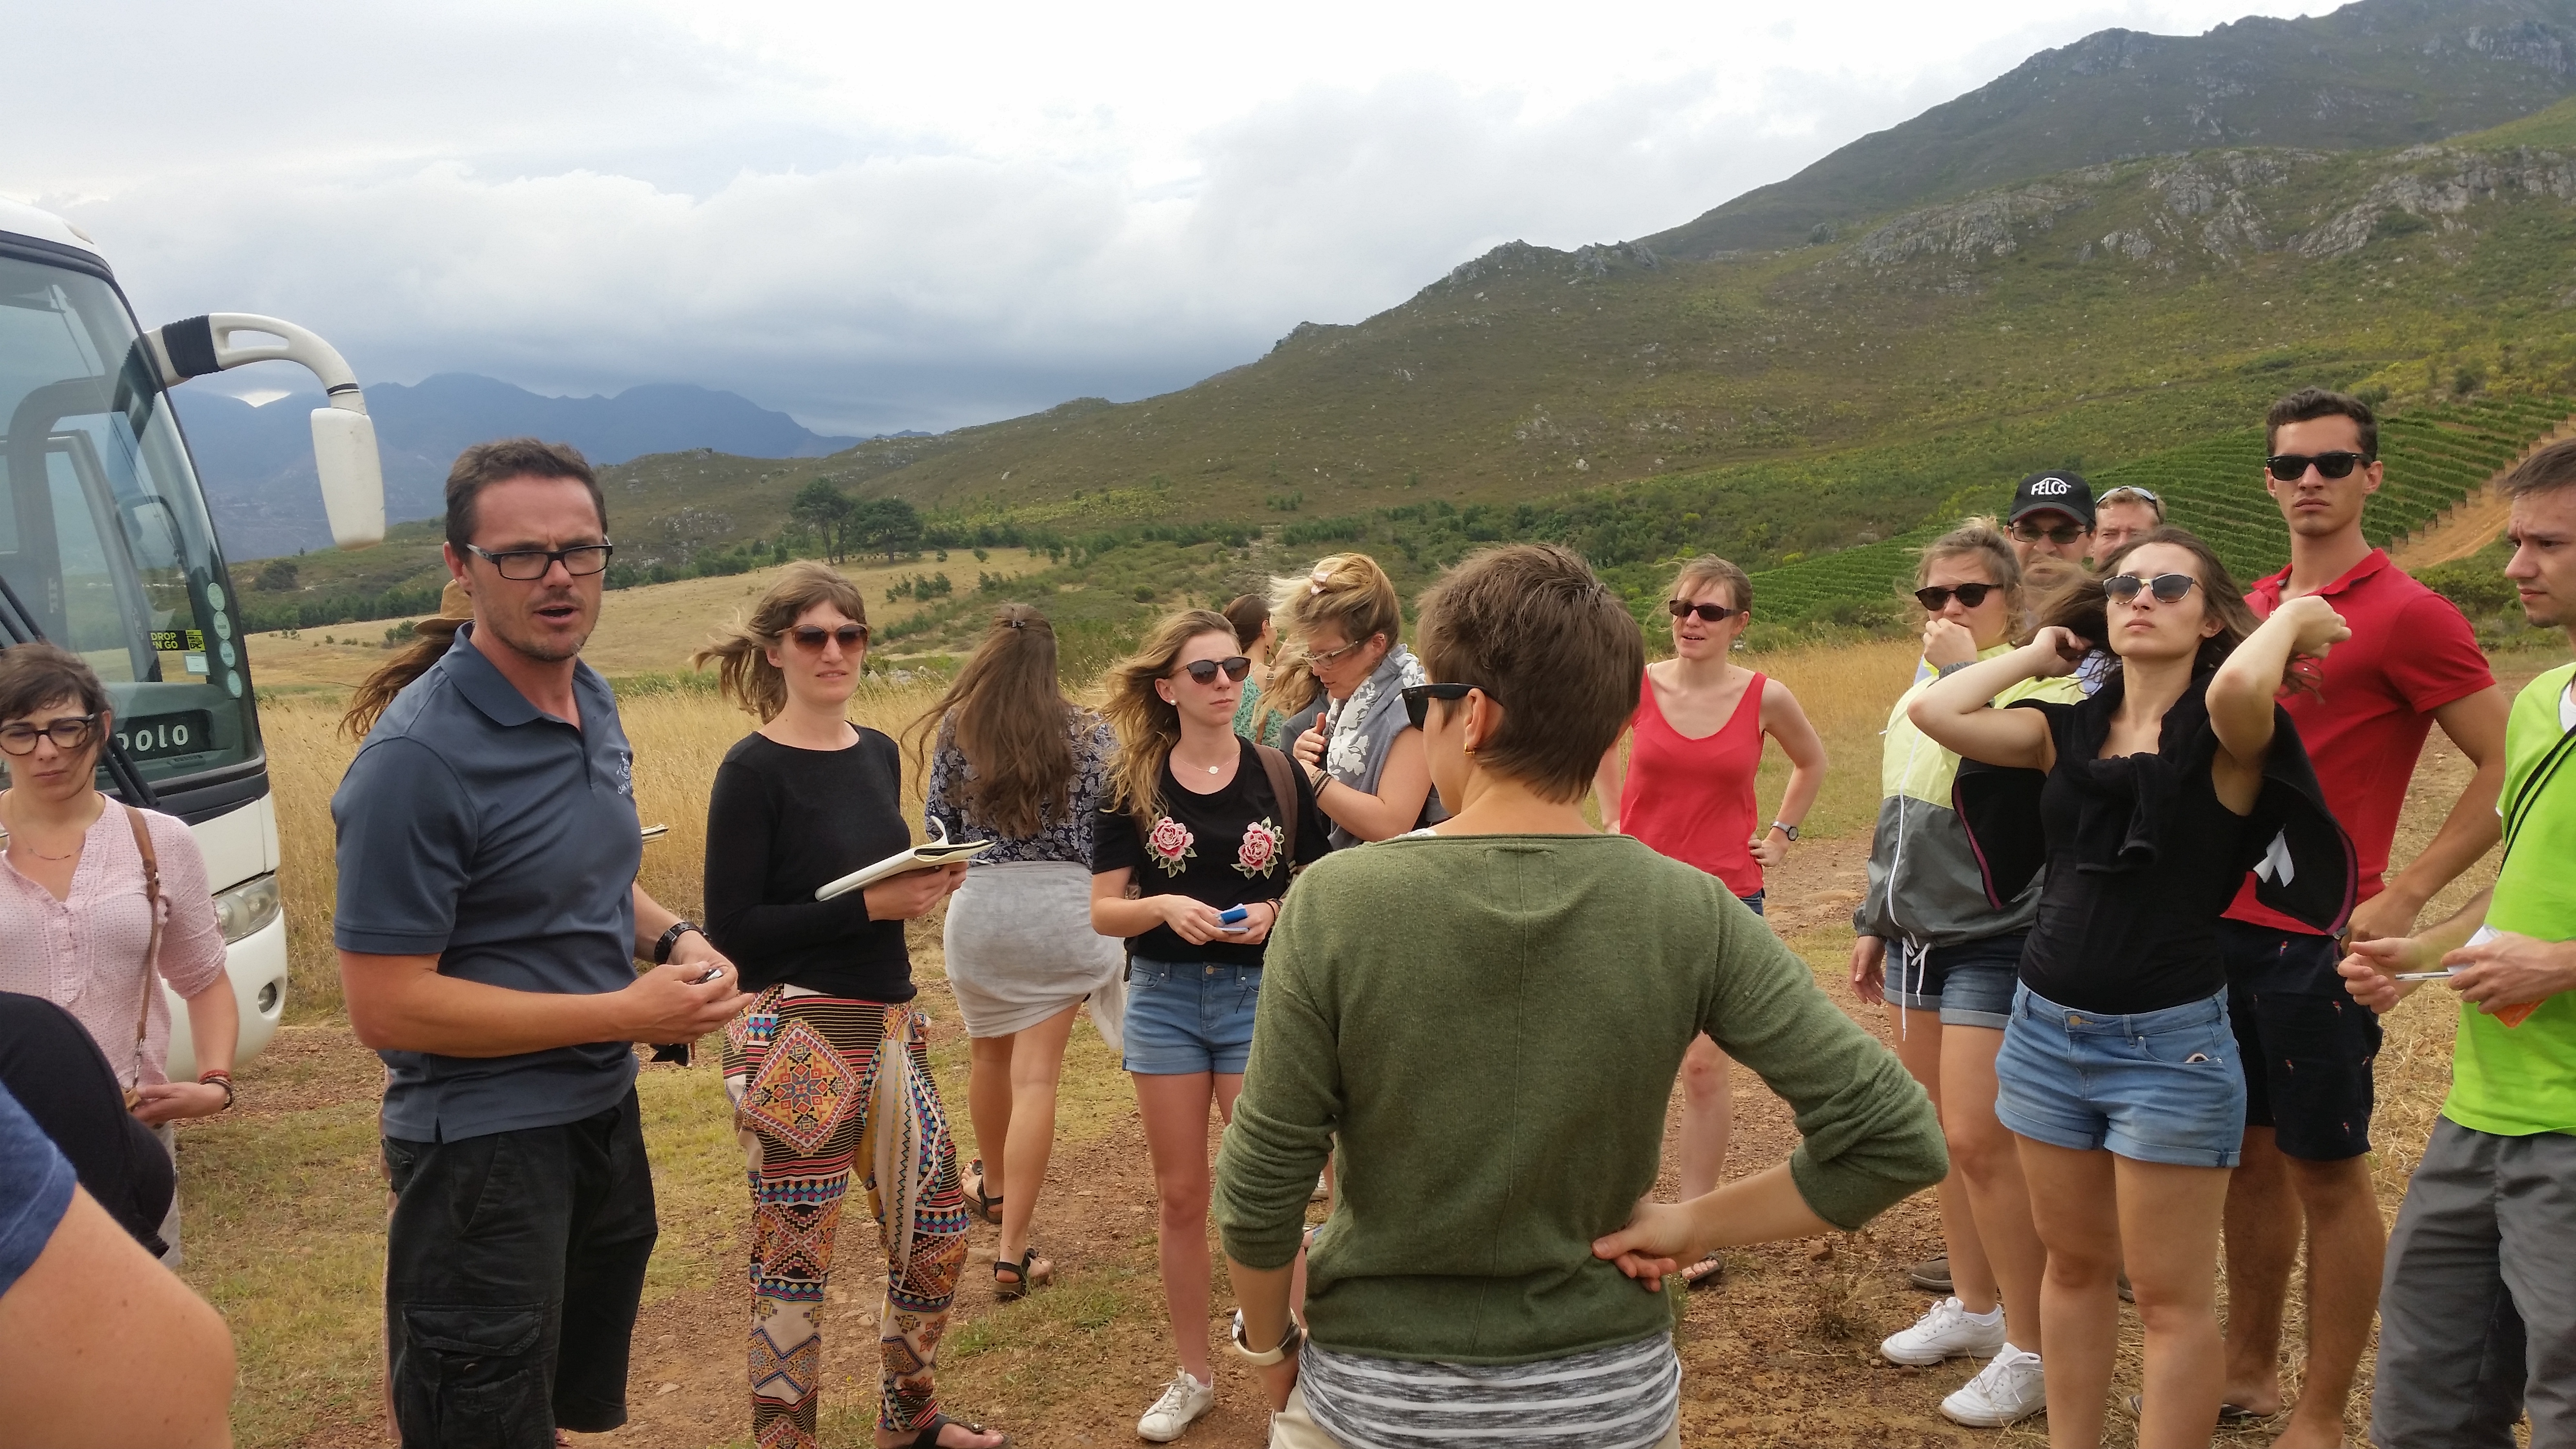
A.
pixel 1015 763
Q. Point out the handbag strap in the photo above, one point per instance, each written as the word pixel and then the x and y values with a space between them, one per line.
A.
pixel 152 903
pixel 1284 789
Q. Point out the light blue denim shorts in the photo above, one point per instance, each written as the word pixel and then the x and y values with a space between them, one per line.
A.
pixel 2157 1086
pixel 1189 1016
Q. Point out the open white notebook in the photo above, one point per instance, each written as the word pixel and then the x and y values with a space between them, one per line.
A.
pixel 942 851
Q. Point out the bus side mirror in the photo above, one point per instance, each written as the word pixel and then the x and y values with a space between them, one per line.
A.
pixel 353 479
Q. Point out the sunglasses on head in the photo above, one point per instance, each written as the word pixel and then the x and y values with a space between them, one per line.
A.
pixel 1203 671
pixel 810 637
pixel 2168 588
pixel 1937 598
pixel 1710 613
pixel 1418 697
pixel 2130 493
pixel 2291 467
pixel 2061 535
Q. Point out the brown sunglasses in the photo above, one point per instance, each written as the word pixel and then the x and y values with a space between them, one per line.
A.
pixel 810 637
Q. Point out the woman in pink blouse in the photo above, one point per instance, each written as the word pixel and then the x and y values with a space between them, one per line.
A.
pixel 76 912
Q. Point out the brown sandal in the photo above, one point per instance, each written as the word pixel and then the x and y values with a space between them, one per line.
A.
pixel 987 1208
pixel 1030 1274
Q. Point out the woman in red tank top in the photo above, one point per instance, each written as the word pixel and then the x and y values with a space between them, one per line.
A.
pixel 1687 791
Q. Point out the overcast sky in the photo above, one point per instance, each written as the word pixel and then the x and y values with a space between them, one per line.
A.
pixel 881 217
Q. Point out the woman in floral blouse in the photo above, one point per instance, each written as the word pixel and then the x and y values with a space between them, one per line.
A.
pixel 1015 763
pixel 1200 821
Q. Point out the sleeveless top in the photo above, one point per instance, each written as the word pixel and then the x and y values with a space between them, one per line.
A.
pixel 1692 799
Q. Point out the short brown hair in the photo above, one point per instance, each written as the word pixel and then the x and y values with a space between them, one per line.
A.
pixel 35 675
pixel 740 654
pixel 1351 593
pixel 2546 471
pixel 2311 403
pixel 1531 625
pixel 1707 569
pixel 484 464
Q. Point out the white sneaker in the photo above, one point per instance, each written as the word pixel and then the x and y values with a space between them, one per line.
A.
pixel 2006 1391
pixel 1184 1402
pixel 1945 1330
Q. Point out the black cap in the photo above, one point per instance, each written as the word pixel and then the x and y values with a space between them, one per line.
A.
pixel 2057 490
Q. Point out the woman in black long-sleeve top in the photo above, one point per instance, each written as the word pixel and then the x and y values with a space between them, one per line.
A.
pixel 829 1067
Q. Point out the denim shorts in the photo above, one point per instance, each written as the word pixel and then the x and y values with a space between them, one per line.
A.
pixel 2157 1086
pixel 1969 984
pixel 1189 1016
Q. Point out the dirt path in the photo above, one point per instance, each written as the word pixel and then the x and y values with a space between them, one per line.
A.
pixel 2475 522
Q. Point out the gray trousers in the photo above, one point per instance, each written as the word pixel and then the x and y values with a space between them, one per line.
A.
pixel 2477 1316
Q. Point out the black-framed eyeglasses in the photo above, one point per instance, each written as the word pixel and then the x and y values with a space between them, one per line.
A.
pixel 68 733
pixel 2062 535
pixel 1418 697
pixel 810 637
pixel 1937 597
pixel 527 565
pixel 2168 588
pixel 2291 467
pixel 1710 613
pixel 1203 671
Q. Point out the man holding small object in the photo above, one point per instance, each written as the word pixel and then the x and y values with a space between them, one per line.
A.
pixel 2476 1325
pixel 487 922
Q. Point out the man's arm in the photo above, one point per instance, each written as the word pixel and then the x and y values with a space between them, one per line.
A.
pixel 652 918
pixel 2475 723
pixel 402 1003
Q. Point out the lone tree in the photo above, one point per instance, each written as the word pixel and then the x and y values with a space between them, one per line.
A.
pixel 829 512
pixel 889 526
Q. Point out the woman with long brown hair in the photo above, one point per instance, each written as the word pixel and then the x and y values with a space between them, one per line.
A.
pixel 829 1066
pixel 1014 762
pixel 1190 859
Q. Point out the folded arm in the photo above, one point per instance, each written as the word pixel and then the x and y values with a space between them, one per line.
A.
pixel 1957 713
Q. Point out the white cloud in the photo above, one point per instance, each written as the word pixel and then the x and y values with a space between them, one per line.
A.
pixel 880 218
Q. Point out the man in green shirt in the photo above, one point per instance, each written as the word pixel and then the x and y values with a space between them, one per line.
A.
pixel 2477 1325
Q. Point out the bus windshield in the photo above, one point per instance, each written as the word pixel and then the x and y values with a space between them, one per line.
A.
pixel 104 536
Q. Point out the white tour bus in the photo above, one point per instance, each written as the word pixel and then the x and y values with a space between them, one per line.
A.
pixel 106 549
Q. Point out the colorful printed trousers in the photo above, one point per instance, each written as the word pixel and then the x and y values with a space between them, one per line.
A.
pixel 824 1087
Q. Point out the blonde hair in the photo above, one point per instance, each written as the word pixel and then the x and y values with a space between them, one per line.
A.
pixel 1979 538
pixel 741 652
pixel 1147 724
pixel 1349 592
pixel 1007 715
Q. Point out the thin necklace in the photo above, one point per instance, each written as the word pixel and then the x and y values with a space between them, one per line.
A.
pixel 8 837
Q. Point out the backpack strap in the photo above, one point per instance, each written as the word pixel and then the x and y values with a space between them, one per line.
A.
pixel 152 903
pixel 1283 788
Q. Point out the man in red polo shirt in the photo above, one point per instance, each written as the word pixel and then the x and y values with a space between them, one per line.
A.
pixel 2306 1046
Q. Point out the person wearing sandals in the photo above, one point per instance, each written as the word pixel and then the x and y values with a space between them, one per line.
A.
pixel 1687 790
pixel 1941 956
pixel 1491 1077
pixel 1201 825
pixel 1368 762
pixel 828 1065
pixel 1014 763
pixel 2148 801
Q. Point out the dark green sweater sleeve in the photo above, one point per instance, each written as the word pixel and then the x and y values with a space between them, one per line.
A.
pixel 1282 1132
pixel 1869 1134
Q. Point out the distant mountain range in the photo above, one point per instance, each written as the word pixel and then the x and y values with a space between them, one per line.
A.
pixel 257 462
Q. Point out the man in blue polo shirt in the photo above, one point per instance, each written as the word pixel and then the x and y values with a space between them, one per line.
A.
pixel 487 921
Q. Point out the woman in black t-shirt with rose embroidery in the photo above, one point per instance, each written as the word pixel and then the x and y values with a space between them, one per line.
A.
pixel 1196 825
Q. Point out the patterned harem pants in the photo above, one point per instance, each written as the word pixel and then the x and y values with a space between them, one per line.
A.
pixel 822 1087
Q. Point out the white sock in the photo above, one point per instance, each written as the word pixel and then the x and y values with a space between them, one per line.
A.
pixel 1991 1315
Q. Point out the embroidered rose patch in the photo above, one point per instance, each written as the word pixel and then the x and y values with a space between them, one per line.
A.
pixel 1260 849
pixel 1171 845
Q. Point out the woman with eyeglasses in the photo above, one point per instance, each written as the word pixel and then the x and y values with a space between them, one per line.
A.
pixel 1686 789
pixel 1940 955
pixel 1364 762
pixel 2147 802
pixel 1490 1070
pixel 1191 855
pixel 829 1066
pixel 1016 763
pixel 104 903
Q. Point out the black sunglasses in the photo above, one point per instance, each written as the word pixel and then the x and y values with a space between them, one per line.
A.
pixel 2061 535
pixel 2291 467
pixel 1937 598
pixel 810 637
pixel 2168 588
pixel 1203 671
pixel 68 734
pixel 1418 697
pixel 1684 608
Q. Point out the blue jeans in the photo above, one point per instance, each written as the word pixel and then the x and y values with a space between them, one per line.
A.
pixel 1969 984
pixel 2156 1086
pixel 1189 1016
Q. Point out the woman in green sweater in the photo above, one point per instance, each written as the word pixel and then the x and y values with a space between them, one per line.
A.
pixel 1493 1077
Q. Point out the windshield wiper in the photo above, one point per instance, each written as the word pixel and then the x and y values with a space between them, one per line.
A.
pixel 20 626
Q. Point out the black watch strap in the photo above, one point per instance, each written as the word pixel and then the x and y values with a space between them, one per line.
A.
pixel 671 938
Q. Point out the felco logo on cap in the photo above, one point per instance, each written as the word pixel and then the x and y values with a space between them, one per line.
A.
pixel 2050 488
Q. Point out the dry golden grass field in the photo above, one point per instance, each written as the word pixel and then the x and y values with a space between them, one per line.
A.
pixel 285 1207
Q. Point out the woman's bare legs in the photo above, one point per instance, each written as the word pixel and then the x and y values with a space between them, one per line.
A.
pixel 1985 1162
pixel 1037 1060
pixel 2073 1205
pixel 1708 1115
pixel 1175 1110
pixel 1919 1040
pixel 988 1106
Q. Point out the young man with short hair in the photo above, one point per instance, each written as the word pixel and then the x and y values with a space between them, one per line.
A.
pixel 2305 1047
pixel 2052 517
pixel 2477 1326
pixel 488 921
pixel 2120 515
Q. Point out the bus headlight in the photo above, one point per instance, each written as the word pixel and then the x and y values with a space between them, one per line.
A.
pixel 247 907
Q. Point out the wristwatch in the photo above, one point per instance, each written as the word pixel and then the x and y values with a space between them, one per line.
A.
pixel 1786 829
pixel 671 939
pixel 1288 1343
